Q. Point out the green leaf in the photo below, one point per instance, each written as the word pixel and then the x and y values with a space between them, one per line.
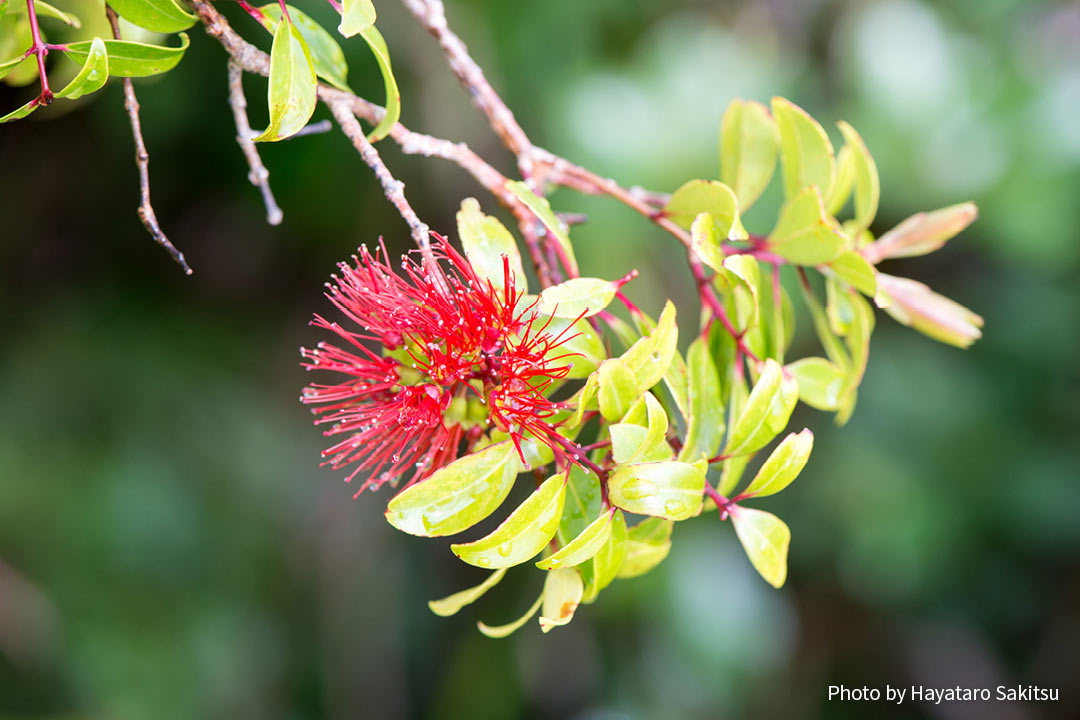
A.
pixel 782 466
pixel 21 112
pixel 707 196
pixel 731 472
pixel 292 88
pixel 501 631
pixel 163 16
pixel 742 275
pixel 617 390
pixel 582 505
pixel 647 544
pixel 843 182
pixel 583 398
pixel 451 604
pixel 650 357
pixel 765 538
pixel 805 151
pixel 327 57
pixel 922 233
pixel 562 595
pixel 636 443
pixel 858 342
pixel 543 212
pixel 829 341
pixel 487 242
pixel 378 47
pixel 582 547
pixel 852 268
pixel 44 9
pixel 3 7
pixel 766 411
pixel 608 560
pixel 356 16
pixel 707 241
pixel 15 38
pixel 580 346
pixel 524 533
pixel 705 424
pixel 93 75
pixel 804 234
pixel 867 185
pixel 132 59
pixel 457 496
pixel 821 383
pixel 669 489
pixel 9 65
pixel 577 297
pixel 749 143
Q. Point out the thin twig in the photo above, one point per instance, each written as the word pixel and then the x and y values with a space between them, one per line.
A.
pixel 142 160
pixel 258 175
pixel 315 128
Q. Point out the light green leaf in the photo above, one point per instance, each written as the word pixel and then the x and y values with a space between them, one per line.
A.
pixel 617 389
pixel 542 209
pixel 707 196
pixel 9 65
pixel 922 233
pixel 577 297
pixel 327 57
pixel 582 547
pixel 765 538
pixel 843 183
pixel 782 466
pixel 132 59
pixel 562 595
pixel 766 411
pixel 93 75
pixel 858 342
pixel 3 7
pixel 21 112
pixel 451 604
pixel 805 151
pixel 742 275
pixel 457 496
pixel 749 143
pixel 292 87
pixel 44 9
pixel 705 424
pixel 628 440
pixel 501 631
pixel 378 47
pixel 804 234
pixel 821 383
pixel 675 376
pixel 487 242
pixel 583 398
pixel 582 504
pixel 669 489
pixel 852 268
pixel 650 357
pixel 607 561
pixel 833 348
pixel 580 344
pixel 356 16
pixel 163 16
pixel 731 472
pixel 867 185
pixel 15 38
pixel 524 533
pixel 647 544
pixel 707 241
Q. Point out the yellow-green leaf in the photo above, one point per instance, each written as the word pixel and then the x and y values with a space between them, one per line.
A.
pixel 821 383
pixel 451 604
pixel 487 242
pixel 327 57
pixel 765 538
pixel 605 565
pixel 457 496
pixel 867 185
pixel 581 548
pixel 163 16
pixel 291 90
pixel 804 234
pixel 501 631
pixel 524 533
pixel 669 489
pixel 562 595
pixel 707 241
pixel 650 357
pixel 132 59
pixel 577 297
pixel 852 268
pixel 356 16
pixel 647 544
pixel 705 424
pixel 617 389
pixel 93 75
pixel 749 143
pixel 707 196
pixel 542 209
pixel 766 411
pixel 805 151
pixel 782 466
pixel 20 112
pixel 378 47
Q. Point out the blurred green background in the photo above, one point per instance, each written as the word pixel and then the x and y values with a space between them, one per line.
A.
pixel 170 549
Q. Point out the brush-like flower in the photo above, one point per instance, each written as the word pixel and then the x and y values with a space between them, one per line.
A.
pixel 438 357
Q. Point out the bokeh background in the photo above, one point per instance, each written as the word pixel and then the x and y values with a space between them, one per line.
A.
pixel 170 549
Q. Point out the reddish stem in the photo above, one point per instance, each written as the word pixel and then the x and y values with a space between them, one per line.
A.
pixel 40 49
pixel 722 503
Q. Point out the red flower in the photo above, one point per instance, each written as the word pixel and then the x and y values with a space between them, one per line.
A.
pixel 458 356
